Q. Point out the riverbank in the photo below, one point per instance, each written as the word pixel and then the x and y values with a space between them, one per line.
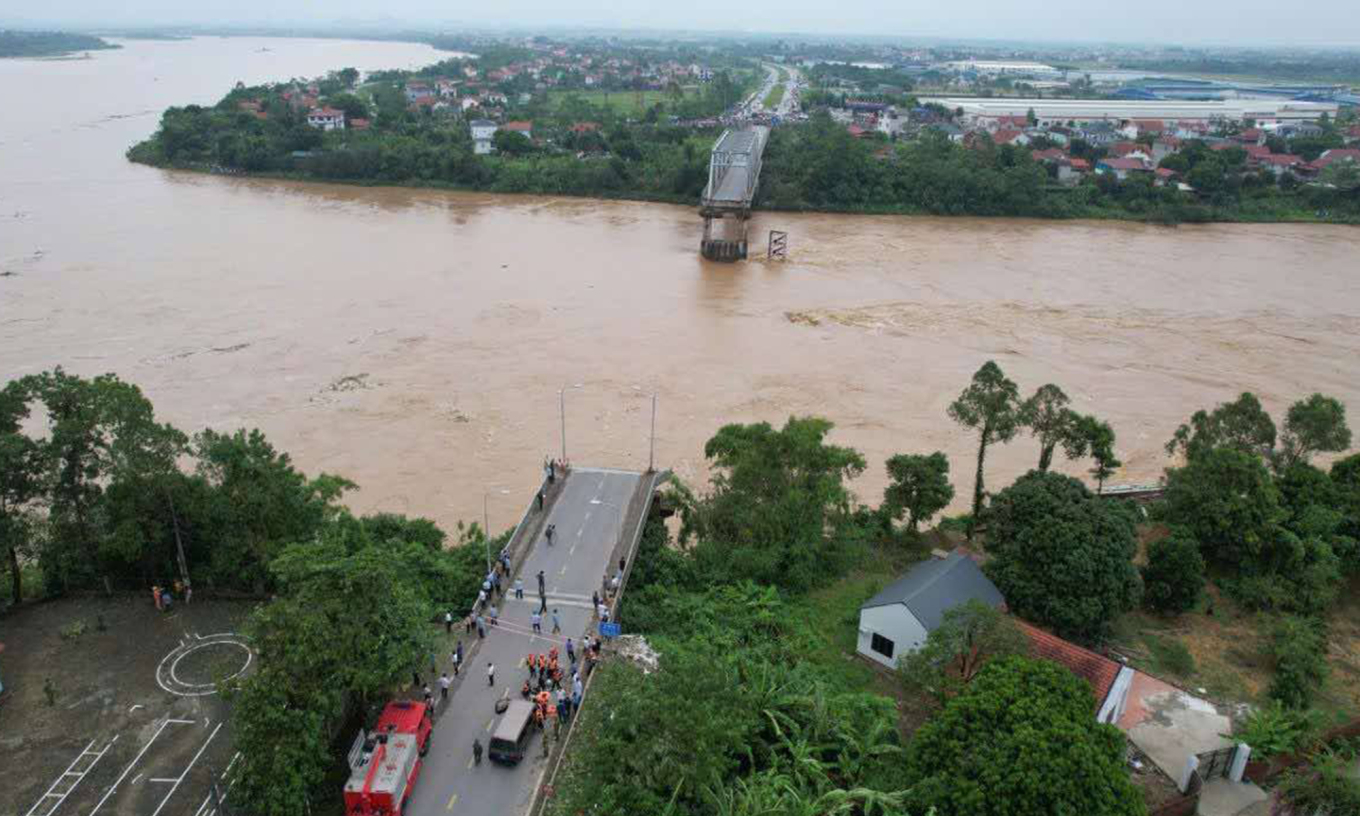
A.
pixel 1189 213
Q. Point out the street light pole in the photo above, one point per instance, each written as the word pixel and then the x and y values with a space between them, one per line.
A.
pixel 562 412
pixel 486 529
pixel 651 452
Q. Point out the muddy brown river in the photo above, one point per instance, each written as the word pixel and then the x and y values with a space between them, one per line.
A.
pixel 416 341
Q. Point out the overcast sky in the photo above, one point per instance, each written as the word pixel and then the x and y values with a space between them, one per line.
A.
pixel 1229 22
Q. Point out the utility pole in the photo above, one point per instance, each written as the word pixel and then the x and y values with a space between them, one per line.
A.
pixel 562 412
pixel 179 543
pixel 651 452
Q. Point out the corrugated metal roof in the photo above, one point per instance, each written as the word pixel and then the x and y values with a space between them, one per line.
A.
pixel 936 586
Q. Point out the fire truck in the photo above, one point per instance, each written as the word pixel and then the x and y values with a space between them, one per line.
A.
pixel 385 762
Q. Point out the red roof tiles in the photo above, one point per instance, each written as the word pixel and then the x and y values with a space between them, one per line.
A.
pixel 1095 669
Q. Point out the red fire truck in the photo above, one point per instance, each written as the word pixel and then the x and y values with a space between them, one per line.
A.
pixel 385 762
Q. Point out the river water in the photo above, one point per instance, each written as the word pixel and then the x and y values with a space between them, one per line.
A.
pixel 416 341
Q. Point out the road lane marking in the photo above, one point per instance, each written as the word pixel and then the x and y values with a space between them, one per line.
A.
pixel 131 765
pixel 454 798
pixel 190 767
pixel 490 723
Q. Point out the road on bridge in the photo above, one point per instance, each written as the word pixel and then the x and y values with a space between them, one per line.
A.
pixel 589 516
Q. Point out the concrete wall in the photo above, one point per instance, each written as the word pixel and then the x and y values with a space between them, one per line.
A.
pixel 894 622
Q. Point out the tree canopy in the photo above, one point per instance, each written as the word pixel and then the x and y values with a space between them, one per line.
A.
pixel 970 635
pixel 1062 556
pixel 919 487
pixel 1021 740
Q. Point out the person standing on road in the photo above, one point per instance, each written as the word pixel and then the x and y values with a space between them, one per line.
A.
pixel 481 627
pixel 481 599
pixel 477 751
pixel 491 674
pixel 519 589
pixel 457 657
pixel 595 599
pixel 448 623
pixel 429 698
pixel 623 562
pixel 495 616
pixel 571 652
pixel 537 620
pixel 557 623
pixel 541 585
pixel 548 533
pixel 444 682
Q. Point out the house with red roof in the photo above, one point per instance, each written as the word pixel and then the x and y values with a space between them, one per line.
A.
pixel 1130 150
pixel 1010 136
pixel 1048 156
pixel 326 119
pixel 1339 154
pixel 520 126
pixel 1152 126
pixel 584 127
pixel 1279 163
pixel 1252 136
pixel 1099 671
pixel 1121 168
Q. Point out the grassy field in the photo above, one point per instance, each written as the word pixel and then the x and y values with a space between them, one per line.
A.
pixel 628 103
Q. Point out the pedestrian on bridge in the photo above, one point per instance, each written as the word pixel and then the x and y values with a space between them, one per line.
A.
pixel 495 616
pixel 552 530
pixel 557 623
pixel 519 589
pixel 541 585
pixel 481 627
pixel 537 620
pixel 477 751
pixel 448 623
pixel 491 674
pixel 571 652
pixel 444 682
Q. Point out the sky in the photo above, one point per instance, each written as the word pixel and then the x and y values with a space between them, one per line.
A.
pixel 1221 22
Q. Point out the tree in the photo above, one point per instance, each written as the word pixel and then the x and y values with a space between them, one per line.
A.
pixel 1174 576
pixel 1062 556
pixel 101 431
pixel 512 143
pixel 1090 435
pixel 1047 416
pixel 353 106
pixel 1225 498
pixel 1020 740
pixel 20 481
pixel 348 76
pixel 919 487
pixel 1300 649
pixel 348 625
pixel 1242 424
pixel 970 635
pixel 1314 425
pixel 991 406
pixel 774 497
pixel 268 502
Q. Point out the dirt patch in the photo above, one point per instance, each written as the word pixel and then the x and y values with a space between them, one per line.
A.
pixel 132 744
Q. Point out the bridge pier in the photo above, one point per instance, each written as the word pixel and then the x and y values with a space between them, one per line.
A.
pixel 728 247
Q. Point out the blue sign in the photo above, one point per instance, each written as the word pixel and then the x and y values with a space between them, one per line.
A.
pixel 610 630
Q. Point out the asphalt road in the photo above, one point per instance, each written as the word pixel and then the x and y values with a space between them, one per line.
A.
pixel 588 516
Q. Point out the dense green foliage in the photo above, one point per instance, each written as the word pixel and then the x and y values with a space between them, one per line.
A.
pixel 1326 785
pixel 919 488
pixel 970 635
pixel 777 502
pixel 1277 532
pixel 1021 740
pixel 819 165
pixel 1300 649
pixel 48 43
pixel 730 724
pixel 1062 556
pixel 1275 729
pixel 1174 575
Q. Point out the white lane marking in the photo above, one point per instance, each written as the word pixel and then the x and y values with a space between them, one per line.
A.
pixel 607 471
pixel 175 786
pixel 132 765
pixel 61 797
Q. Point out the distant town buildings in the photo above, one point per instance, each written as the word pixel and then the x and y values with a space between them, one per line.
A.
pixel 483 131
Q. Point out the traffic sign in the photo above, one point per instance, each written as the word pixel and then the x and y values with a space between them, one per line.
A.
pixel 610 630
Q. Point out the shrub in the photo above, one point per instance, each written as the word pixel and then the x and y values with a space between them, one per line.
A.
pixel 1171 655
pixel 1275 730
pixel 1300 649
pixel 1174 575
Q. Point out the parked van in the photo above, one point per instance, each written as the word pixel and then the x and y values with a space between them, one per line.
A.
pixel 512 733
